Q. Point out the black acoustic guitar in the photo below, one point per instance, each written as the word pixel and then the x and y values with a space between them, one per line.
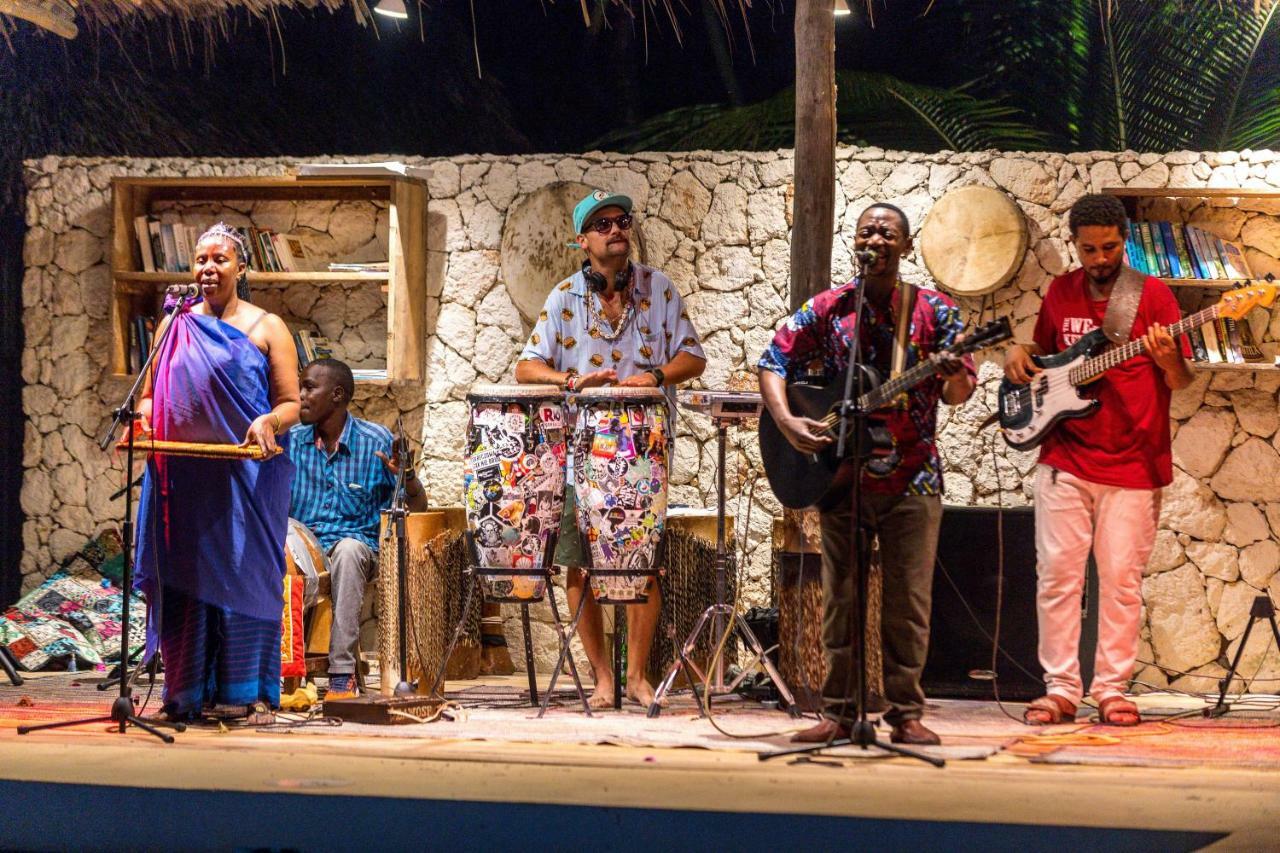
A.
pixel 802 480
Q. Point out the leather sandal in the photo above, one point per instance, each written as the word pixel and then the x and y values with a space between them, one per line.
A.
pixel 1049 710
pixel 1118 711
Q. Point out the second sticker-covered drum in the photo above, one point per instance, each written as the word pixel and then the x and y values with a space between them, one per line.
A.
pixel 620 477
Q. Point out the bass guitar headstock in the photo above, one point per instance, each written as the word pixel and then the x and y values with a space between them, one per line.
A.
pixel 1236 303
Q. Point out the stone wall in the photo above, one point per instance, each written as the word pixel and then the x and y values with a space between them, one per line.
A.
pixel 718 224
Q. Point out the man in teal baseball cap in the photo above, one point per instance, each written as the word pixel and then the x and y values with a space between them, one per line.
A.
pixel 592 202
pixel 614 322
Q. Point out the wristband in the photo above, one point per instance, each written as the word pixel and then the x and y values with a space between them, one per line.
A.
pixel 658 375
pixel 277 426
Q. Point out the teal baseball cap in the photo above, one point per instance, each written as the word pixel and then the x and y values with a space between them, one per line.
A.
pixel 593 201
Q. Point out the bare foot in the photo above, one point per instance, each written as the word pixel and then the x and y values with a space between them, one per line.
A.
pixel 602 696
pixel 641 691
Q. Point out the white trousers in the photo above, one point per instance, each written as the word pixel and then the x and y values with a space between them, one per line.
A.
pixel 1119 525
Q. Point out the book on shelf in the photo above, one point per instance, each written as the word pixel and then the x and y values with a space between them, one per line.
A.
pixel 388 168
pixel 1171 250
pixel 142 331
pixel 1184 254
pixel 321 348
pixel 1230 354
pixel 366 374
pixel 184 247
pixel 1212 349
pixel 1249 349
pixel 1147 247
pixel 1233 339
pixel 142 231
pixel 1233 259
pixel 371 266
pixel 1196 338
pixel 298 251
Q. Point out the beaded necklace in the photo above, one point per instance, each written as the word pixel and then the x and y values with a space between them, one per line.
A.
pixel 594 315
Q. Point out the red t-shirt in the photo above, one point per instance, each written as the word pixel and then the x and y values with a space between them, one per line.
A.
pixel 1125 442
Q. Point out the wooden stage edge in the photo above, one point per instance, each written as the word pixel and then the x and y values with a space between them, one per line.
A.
pixel 53 784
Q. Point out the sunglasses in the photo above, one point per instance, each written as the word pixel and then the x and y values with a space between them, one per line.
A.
pixel 605 224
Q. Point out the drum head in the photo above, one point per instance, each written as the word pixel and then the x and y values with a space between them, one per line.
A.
pixel 973 240
pixel 644 395
pixel 487 392
pixel 303 551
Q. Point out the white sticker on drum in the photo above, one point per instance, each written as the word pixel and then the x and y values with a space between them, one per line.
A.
pixel 551 417
pixel 486 417
pixel 515 422
pixel 484 459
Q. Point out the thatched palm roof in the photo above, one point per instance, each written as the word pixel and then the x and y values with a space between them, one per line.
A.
pixel 62 16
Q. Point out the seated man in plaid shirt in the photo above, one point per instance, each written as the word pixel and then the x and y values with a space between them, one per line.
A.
pixel 346 475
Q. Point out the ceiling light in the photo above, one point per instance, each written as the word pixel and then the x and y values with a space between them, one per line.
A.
pixel 392 9
pixel 841 9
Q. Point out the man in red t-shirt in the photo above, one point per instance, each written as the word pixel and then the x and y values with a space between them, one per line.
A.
pixel 1099 478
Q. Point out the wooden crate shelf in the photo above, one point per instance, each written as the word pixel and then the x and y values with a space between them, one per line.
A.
pixel 135 291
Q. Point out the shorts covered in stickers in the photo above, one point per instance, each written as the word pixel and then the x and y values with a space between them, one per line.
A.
pixel 513 483
pixel 620 481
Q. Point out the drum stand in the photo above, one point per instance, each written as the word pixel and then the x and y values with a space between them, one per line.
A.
pixel 546 571
pixel 722 617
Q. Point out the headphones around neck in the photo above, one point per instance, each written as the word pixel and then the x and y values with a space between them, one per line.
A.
pixel 597 282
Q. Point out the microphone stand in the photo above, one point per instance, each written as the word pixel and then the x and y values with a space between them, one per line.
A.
pixel 853 428
pixel 399 514
pixel 122 708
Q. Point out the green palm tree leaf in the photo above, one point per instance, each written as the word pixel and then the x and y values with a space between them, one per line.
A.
pixel 875 109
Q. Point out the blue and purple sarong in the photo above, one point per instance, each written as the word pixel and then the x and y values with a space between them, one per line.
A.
pixel 211 532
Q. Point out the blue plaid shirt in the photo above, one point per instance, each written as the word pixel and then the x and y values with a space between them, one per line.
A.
pixel 340 496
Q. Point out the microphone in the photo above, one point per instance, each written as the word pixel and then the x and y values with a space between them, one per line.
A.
pixel 190 289
pixel 865 257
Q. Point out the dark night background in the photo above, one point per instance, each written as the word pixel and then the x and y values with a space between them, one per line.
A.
pixel 312 83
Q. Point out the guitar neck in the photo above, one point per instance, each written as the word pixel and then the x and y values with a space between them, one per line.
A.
pixel 1093 367
pixel 904 381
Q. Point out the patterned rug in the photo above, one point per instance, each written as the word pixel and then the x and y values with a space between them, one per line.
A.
pixel 76 612
pixel 1248 740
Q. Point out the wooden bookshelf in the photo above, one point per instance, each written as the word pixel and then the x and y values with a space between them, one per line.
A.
pixel 1132 196
pixel 136 292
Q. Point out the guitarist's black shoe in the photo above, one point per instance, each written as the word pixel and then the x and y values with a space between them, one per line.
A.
pixel 822 732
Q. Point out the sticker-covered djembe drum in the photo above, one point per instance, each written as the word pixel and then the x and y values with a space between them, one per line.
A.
pixel 620 478
pixel 513 484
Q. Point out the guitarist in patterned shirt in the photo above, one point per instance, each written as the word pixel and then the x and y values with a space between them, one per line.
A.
pixel 901 503
pixel 1099 478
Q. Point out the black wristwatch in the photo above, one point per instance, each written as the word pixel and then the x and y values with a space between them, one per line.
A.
pixel 658 375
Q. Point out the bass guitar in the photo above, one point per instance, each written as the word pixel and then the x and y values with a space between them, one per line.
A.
pixel 821 480
pixel 1029 412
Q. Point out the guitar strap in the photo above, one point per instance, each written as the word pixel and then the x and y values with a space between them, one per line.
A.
pixel 902 328
pixel 1122 308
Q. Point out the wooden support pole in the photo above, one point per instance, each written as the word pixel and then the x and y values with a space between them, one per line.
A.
pixel 813 219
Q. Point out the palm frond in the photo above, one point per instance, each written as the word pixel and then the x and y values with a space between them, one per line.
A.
pixel 1251 114
pixel 871 108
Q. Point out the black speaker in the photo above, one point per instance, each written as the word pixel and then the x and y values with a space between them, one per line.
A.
pixel 964 605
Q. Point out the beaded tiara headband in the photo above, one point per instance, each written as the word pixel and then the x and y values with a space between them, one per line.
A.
pixel 224 231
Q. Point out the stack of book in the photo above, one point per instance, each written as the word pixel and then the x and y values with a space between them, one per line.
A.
pixel 1174 250
pixel 1224 341
pixel 169 246
pixel 142 331
pixel 311 346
